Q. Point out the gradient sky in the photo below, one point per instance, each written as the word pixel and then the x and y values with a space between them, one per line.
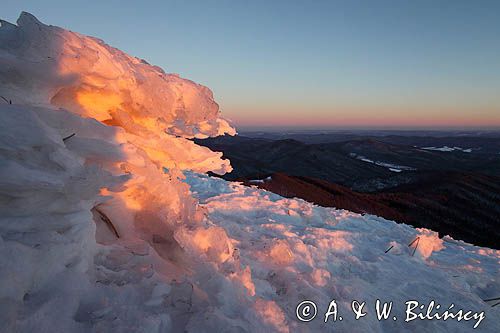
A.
pixel 311 63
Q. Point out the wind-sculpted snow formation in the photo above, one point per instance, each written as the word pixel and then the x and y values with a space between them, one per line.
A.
pixel 116 227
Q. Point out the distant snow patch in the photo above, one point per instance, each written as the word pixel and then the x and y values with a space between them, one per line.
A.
pixel 260 181
pixel 447 149
pixel 391 167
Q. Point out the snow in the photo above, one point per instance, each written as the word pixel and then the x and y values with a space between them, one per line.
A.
pixel 390 166
pixel 448 149
pixel 260 181
pixel 300 251
pixel 62 68
pixel 118 228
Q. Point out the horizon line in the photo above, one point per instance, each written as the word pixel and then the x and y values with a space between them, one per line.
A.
pixel 367 128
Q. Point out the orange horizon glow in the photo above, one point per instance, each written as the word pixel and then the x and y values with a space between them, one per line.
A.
pixel 369 117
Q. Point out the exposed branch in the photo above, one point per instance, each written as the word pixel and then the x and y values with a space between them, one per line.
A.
pixel 415 249
pixel 413 241
pixel 69 137
pixel 108 222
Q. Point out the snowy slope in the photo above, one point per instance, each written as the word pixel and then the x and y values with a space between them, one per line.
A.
pixel 300 251
pixel 116 228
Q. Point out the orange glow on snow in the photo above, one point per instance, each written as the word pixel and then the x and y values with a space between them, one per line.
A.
pixel 97 103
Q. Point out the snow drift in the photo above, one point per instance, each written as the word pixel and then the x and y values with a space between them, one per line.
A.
pixel 107 222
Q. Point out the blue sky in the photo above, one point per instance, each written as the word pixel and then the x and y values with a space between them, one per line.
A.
pixel 291 63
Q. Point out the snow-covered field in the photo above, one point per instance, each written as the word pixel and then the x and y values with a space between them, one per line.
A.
pixel 117 228
pixel 447 149
pixel 390 166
